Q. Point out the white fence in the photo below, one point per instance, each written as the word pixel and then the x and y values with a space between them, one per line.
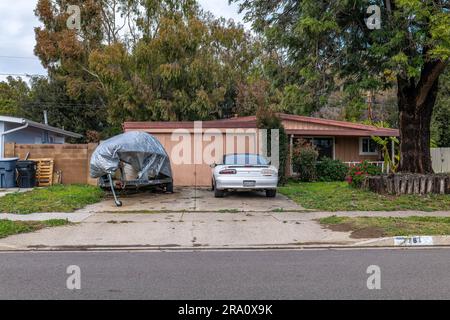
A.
pixel 441 160
pixel 377 163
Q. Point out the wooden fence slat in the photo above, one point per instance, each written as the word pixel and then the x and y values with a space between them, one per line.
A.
pixel 440 160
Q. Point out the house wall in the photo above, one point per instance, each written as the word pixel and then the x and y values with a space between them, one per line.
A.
pixel 72 159
pixel 347 150
pixel 30 135
pixel 189 172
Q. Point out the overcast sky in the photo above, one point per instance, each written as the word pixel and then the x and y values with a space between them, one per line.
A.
pixel 17 22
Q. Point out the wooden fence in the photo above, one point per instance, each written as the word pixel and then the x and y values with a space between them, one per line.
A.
pixel 441 160
pixel 72 160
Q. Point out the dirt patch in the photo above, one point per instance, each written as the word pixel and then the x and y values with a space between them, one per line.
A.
pixel 369 232
pixel 361 233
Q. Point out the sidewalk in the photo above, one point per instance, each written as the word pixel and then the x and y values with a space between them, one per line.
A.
pixel 194 230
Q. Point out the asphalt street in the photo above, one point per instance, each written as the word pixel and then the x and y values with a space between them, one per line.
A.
pixel 275 274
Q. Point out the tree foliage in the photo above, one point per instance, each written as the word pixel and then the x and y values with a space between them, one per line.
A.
pixel 329 40
pixel 146 60
pixel 13 94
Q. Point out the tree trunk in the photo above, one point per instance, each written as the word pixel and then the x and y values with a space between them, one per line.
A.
pixel 415 123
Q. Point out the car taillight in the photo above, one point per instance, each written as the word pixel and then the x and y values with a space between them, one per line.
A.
pixel 227 171
pixel 267 172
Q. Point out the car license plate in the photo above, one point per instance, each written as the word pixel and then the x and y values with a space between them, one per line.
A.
pixel 249 183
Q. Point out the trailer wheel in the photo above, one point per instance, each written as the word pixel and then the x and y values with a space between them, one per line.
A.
pixel 118 203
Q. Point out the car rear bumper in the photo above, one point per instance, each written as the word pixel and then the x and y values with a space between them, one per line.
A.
pixel 238 183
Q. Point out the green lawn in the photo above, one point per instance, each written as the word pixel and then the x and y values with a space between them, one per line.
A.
pixel 52 199
pixel 339 196
pixel 374 227
pixel 8 227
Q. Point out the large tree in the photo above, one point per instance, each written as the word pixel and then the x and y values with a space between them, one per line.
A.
pixel 13 95
pixel 187 68
pixel 145 60
pixel 410 51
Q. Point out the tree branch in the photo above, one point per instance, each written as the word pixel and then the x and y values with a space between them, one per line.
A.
pixel 430 73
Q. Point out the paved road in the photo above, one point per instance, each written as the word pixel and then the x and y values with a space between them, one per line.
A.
pixel 308 274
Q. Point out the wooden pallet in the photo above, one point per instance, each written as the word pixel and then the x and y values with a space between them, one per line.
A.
pixel 44 172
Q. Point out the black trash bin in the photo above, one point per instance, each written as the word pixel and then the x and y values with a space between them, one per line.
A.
pixel 8 172
pixel 26 173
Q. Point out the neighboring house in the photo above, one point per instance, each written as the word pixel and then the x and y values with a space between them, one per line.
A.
pixel 25 131
pixel 346 141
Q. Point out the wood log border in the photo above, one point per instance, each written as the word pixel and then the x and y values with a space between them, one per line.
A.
pixel 398 184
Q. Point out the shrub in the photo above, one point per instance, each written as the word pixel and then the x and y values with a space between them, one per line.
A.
pixel 331 170
pixel 267 119
pixel 359 172
pixel 305 161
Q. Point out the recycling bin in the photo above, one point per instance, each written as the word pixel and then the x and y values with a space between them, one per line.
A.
pixel 8 172
pixel 26 173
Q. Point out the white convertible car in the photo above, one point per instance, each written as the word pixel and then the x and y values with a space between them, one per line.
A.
pixel 244 171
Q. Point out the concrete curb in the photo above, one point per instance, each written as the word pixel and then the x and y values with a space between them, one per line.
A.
pixel 381 243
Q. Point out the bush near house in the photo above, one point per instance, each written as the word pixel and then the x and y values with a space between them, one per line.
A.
pixel 304 160
pixel 331 170
pixel 357 173
pixel 267 119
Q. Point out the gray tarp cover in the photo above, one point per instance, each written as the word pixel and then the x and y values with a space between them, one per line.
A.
pixel 139 149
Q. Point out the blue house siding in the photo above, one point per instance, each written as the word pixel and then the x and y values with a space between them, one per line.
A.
pixel 24 131
pixel 30 135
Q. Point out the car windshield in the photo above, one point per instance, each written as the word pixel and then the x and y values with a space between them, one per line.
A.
pixel 244 159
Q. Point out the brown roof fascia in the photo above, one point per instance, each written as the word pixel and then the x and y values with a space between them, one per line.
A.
pixel 345 133
pixel 220 124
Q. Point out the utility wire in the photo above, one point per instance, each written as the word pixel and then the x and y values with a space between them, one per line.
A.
pixel 62 105
pixel 22 74
pixel 18 57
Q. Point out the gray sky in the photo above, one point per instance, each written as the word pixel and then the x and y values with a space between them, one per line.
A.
pixel 17 22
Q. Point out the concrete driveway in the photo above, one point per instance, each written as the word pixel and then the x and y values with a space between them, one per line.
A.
pixel 200 200
pixel 181 230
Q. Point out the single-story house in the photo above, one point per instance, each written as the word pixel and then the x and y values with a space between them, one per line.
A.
pixel 24 131
pixel 346 141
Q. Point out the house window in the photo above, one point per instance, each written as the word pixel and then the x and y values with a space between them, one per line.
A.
pixel 324 146
pixel 367 146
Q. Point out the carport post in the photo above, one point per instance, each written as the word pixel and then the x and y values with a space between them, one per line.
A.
pixel 291 152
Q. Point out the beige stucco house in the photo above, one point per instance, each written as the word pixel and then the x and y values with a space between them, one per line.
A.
pixel 189 143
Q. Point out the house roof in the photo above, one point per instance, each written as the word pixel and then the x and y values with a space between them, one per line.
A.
pixel 329 127
pixel 345 128
pixel 42 126
pixel 220 124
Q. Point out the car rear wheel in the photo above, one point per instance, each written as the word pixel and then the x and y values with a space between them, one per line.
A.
pixel 271 193
pixel 219 193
